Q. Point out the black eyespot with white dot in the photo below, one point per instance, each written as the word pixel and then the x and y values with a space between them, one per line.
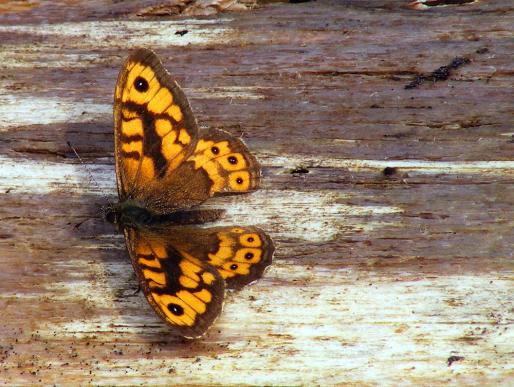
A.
pixel 177 310
pixel 233 267
pixel 232 160
pixel 215 150
pixel 141 84
pixel 239 180
pixel 250 239
pixel 248 255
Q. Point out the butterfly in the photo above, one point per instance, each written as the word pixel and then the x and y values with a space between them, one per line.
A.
pixel 164 167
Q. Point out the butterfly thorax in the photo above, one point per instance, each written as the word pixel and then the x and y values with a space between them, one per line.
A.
pixel 128 214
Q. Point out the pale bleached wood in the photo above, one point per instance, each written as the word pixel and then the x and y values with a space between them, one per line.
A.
pixel 380 275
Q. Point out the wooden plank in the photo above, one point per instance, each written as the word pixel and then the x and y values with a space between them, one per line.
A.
pixel 392 209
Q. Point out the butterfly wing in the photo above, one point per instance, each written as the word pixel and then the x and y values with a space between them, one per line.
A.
pixel 226 160
pixel 155 129
pixel 185 291
pixel 220 164
pixel 239 254
pixel 161 161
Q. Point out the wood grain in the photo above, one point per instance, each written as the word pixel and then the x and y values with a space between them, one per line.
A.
pixel 392 209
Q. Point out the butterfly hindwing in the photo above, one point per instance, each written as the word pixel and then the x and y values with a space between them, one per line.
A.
pixel 155 129
pixel 228 163
pixel 242 256
pixel 239 254
pixel 219 165
pixel 186 292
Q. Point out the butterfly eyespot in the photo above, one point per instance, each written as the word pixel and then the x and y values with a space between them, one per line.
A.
pixel 250 239
pixel 233 266
pixel 232 160
pixel 239 180
pixel 141 84
pixel 215 150
pixel 248 255
pixel 177 310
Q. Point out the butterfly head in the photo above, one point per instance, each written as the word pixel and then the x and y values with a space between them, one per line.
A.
pixel 111 213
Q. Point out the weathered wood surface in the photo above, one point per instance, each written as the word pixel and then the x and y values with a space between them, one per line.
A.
pixel 378 279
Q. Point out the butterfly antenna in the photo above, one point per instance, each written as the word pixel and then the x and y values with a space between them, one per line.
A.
pixel 90 177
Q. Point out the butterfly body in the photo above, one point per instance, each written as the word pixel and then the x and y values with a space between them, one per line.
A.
pixel 129 214
pixel 165 167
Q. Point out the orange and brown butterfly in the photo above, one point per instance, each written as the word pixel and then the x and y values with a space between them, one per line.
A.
pixel 164 167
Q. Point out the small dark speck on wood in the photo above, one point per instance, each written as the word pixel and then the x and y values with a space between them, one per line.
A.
pixel 437 3
pixel 453 359
pixel 390 171
pixel 299 171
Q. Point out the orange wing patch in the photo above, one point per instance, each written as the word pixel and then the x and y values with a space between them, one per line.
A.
pixel 182 289
pixel 160 101
pixel 228 164
pixel 154 123
pixel 161 117
pixel 242 255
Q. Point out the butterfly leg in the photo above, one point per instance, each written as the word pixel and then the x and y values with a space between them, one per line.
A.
pixel 137 290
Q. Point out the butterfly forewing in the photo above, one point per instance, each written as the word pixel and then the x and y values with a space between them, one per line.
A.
pixel 186 292
pixel 155 129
